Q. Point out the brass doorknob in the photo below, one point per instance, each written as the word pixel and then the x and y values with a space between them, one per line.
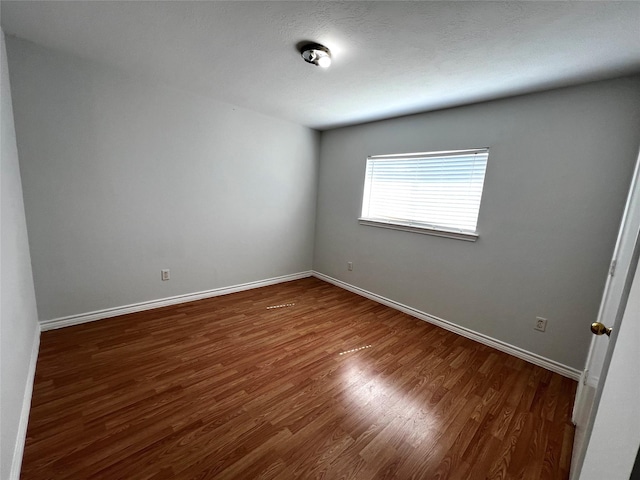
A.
pixel 598 329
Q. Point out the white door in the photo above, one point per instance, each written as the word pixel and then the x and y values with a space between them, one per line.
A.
pixel 593 404
pixel 614 439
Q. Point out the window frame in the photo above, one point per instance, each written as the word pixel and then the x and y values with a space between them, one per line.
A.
pixel 418 227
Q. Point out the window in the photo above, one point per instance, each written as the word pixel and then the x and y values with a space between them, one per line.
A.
pixel 436 193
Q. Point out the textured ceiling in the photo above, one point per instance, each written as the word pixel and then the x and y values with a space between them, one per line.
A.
pixel 390 58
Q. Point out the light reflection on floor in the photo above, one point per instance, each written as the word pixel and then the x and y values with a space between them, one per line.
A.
pixel 381 401
pixel 354 350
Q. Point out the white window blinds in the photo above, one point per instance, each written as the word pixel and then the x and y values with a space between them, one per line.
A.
pixel 436 190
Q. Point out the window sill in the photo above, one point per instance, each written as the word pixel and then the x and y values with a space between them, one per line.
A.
pixel 438 232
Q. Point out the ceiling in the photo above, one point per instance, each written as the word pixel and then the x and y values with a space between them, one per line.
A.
pixel 390 58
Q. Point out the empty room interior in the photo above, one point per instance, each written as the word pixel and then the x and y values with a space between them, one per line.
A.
pixel 339 240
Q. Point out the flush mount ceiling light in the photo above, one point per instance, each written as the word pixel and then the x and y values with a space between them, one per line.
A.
pixel 316 54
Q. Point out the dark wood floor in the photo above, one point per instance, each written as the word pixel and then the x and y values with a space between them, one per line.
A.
pixel 327 385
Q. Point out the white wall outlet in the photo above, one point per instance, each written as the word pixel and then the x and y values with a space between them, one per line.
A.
pixel 165 274
pixel 541 324
pixel 350 266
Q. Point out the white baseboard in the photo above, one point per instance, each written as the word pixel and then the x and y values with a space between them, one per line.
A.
pixel 21 438
pixel 530 357
pixel 163 302
pixel 465 332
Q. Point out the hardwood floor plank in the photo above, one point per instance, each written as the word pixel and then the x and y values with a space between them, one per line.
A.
pixel 297 380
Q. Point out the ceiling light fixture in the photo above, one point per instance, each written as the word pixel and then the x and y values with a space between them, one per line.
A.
pixel 316 54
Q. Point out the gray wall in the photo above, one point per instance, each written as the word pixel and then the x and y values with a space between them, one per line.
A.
pixel 19 318
pixel 123 178
pixel 558 173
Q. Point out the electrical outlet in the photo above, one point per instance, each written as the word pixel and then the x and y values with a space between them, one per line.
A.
pixel 541 324
pixel 165 274
pixel 350 266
